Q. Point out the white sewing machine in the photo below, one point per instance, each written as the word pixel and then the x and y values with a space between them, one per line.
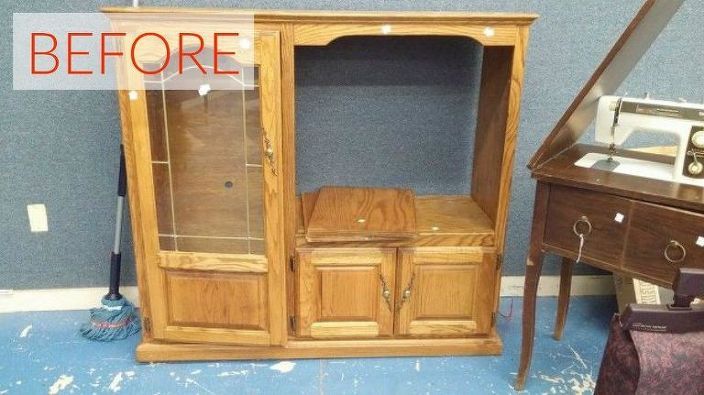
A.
pixel 618 117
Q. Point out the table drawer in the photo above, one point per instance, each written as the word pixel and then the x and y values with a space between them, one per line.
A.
pixel 601 217
pixel 662 239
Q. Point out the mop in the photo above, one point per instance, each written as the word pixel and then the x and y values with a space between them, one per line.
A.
pixel 116 318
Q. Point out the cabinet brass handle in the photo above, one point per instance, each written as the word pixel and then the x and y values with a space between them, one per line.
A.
pixel 406 294
pixel 674 244
pixel 385 292
pixel 269 154
pixel 582 220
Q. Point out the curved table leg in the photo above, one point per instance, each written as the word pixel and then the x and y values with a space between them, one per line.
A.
pixel 563 301
pixel 534 266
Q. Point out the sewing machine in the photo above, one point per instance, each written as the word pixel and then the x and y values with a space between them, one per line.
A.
pixel 618 117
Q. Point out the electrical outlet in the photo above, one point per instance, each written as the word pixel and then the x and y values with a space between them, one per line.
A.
pixel 37 218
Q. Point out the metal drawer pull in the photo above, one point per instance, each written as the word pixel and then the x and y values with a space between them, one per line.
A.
pixel 671 244
pixel 386 292
pixel 583 220
pixel 269 154
pixel 406 294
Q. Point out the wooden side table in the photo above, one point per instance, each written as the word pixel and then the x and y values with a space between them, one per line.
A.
pixel 629 225
pixel 643 229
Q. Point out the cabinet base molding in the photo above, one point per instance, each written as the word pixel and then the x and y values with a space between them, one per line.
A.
pixel 152 351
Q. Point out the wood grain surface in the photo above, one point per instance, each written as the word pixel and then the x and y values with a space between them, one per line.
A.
pixel 441 220
pixel 362 214
pixel 561 170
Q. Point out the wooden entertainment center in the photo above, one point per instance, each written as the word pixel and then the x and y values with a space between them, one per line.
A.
pixel 224 267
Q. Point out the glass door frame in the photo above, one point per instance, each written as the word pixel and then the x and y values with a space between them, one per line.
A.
pixel 153 264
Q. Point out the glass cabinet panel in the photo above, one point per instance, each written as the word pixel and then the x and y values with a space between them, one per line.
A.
pixel 207 166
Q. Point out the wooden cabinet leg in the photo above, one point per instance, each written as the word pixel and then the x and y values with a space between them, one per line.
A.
pixel 563 300
pixel 534 266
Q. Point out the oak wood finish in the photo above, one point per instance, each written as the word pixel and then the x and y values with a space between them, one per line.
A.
pixel 458 243
pixel 447 220
pixel 209 262
pixel 443 292
pixel 165 352
pixel 497 130
pixel 362 214
pixel 181 275
pixel 341 292
pixel 288 153
pixel 305 16
pixel 324 33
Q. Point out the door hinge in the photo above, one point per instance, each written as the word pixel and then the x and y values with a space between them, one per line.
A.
pixel 292 322
pixel 493 319
pixel 147 324
pixel 499 262
pixel 292 262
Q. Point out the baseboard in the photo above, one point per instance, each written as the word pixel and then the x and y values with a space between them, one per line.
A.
pixel 57 299
pixel 85 298
pixel 550 285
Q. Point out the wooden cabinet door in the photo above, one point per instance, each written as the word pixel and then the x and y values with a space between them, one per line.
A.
pixel 445 291
pixel 206 193
pixel 345 293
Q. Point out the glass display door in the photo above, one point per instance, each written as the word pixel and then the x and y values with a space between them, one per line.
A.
pixel 210 195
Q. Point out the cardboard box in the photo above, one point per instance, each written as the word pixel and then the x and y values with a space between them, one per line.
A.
pixel 631 290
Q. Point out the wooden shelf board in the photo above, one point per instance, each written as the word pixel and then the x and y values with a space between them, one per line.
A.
pixel 458 218
pixel 360 214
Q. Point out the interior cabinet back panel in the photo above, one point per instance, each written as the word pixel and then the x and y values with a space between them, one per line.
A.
pixel 242 300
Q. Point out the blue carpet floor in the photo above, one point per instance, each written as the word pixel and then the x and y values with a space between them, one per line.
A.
pixel 42 353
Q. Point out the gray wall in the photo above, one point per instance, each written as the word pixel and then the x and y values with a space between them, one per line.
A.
pixel 60 148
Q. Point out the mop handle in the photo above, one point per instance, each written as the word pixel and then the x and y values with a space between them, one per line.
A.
pixel 116 256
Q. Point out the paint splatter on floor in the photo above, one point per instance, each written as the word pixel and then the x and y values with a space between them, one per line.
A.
pixel 25 331
pixel 60 384
pixel 283 366
pixel 51 358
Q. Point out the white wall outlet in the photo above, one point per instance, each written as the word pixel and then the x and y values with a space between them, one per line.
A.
pixel 37 218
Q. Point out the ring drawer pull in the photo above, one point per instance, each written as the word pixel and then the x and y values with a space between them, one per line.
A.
pixel 583 220
pixel 674 244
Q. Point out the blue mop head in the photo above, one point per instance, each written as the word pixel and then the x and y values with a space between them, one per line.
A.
pixel 114 320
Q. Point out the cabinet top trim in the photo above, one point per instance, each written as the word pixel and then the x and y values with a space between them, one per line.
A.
pixel 341 16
